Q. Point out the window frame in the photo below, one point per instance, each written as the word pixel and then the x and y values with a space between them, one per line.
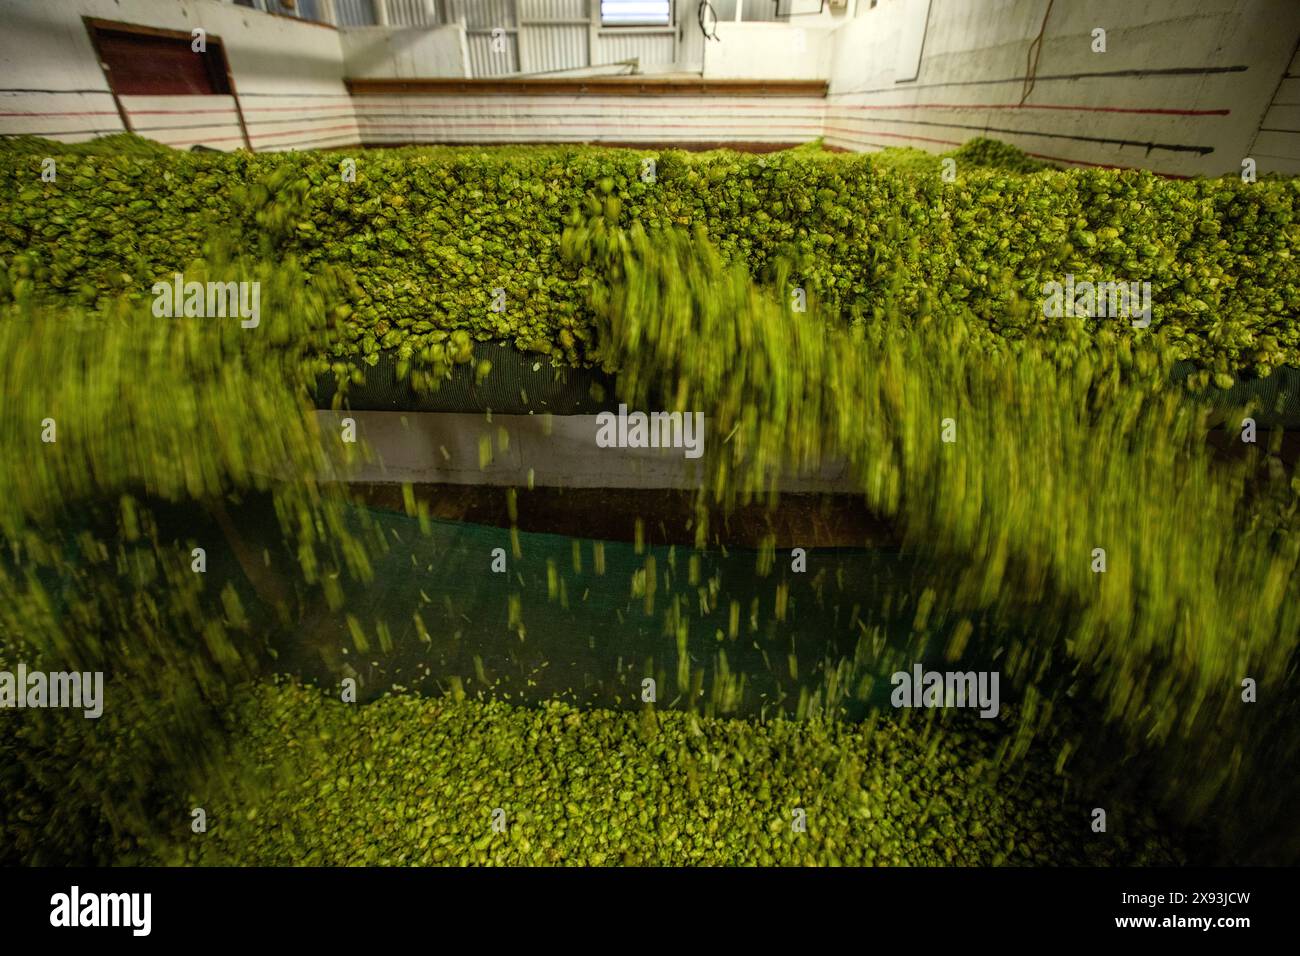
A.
pixel 668 24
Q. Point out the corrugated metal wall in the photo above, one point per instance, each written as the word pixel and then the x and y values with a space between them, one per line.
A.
pixel 649 46
pixel 537 36
pixel 553 10
pixel 483 14
pixel 553 35
pixel 411 13
pixel 650 49
pixel 546 49
pixel 354 13
pixel 548 36
pixel 489 55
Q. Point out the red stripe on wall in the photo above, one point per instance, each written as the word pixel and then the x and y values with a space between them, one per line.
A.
pixel 703 127
pixel 1146 110
pixel 296 109
pixel 228 109
pixel 287 132
pixel 496 102
pixel 86 113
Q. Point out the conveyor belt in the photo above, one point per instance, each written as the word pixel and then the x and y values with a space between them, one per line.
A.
pixel 521 383
pixel 518 384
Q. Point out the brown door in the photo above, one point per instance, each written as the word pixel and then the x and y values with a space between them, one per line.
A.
pixel 142 62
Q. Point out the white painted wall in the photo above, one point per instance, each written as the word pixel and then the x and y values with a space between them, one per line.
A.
pixel 769 51
pixel 1277 144
pixel 381 53
pixel 183 120
pixel 464 118
pixel 288 75
pixel 882 45
pixel 1129 106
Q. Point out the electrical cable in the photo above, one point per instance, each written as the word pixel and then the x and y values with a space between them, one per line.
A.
pixel 1031 57
pixel 705 4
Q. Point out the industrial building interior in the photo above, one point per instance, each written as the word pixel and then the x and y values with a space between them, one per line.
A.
pixel 650 433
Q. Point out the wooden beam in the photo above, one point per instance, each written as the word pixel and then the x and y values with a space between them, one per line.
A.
pixel 116 26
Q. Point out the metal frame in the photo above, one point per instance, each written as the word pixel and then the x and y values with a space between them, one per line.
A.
pixel 637 27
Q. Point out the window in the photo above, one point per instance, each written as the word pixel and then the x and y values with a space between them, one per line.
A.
pixel 141 61
pixel 641 13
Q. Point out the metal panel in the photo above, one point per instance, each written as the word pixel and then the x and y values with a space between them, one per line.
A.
pixel 483 14
pixel 411 13
pixel 553 10
pixel 546 49
pixel 484 62
pixel 354 13
pixel 614 46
